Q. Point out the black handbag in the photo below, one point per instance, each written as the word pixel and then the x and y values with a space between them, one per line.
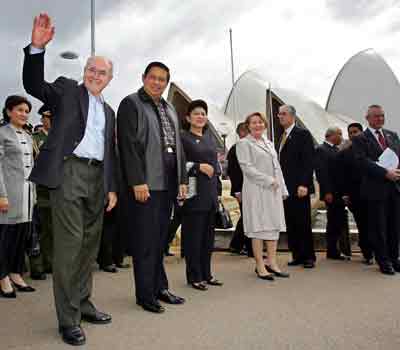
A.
pixel 223 219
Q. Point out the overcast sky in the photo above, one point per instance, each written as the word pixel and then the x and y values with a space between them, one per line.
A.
pixel 299 44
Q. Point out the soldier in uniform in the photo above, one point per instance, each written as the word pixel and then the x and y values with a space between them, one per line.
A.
pixel 41 264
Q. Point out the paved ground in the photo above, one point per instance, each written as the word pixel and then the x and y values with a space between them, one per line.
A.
pixel 339 305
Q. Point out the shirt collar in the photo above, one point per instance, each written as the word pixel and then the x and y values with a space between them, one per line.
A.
pixel 289 129
pixel 99 98
pixel 330 144
pixel 375 130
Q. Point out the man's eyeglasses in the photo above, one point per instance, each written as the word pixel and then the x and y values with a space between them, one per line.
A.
pixel 94 71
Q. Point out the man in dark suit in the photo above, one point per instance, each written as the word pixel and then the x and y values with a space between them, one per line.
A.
pixel 77 163
pixel 239 240
pixel 325 168
pixel 296 156
pixel 348 179
pixel 380 188
pixel 154 175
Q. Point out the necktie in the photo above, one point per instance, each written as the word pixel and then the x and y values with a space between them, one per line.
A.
pixel 381 139
pixel 283 141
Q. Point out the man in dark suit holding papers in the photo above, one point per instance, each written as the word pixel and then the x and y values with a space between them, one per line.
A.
pixel 380 188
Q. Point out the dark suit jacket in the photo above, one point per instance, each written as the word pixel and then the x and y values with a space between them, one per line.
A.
pixel 347 173
pixel 325 169
pixel 71 104
pixel 374 185
pixel 202 150
pixel 234 171
pixel 297 160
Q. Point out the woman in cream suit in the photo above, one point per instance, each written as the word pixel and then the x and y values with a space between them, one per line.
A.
pixel 262 195
pixel 17 195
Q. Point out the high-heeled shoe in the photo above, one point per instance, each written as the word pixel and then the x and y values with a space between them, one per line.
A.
pixel 268 277
pixel 9 295
pixel 277 273
pixel 23 289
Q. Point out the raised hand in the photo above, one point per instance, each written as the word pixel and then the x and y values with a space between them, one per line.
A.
pixel 42 31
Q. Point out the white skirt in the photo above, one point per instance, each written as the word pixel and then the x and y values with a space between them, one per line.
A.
pixel 272 235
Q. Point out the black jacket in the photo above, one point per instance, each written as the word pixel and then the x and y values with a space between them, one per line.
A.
pixel 374 185
pixel 297 160
pixel 325 169
pixel 348 173
pixel 71 103
pixel 234 171
pixel 202 150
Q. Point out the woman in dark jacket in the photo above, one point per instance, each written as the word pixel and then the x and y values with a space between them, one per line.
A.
pixel 200 207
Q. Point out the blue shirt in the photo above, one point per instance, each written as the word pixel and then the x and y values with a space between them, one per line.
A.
pixel 92 143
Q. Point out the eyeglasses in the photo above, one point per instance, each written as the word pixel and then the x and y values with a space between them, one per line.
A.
pixel 94 71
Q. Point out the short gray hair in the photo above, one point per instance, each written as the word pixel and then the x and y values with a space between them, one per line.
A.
pixel 291 110
pixel 107 60
pixel 332 131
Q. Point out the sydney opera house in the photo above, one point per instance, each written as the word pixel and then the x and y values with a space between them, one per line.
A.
pixel 365 79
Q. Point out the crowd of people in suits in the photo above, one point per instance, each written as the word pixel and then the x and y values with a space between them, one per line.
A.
pixel 100 185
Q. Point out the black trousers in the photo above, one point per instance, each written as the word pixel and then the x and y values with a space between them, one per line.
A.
pixel 198 234
pixel 335 227
pixel 12 248
pixel 150 232
pixel 173 226
pixel 111 250
pixel 359 209
pixel 384 228
pixel 239 239
pixel 298 228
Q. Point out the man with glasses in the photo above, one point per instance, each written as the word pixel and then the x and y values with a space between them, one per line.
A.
pixel 154 175
pixel 296 156
pixel 77 163
pixel 380 188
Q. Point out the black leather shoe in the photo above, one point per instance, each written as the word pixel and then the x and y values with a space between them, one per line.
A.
pixel 368 261
pixel 23 289
pixel 167 297
pixel 396 266
pixel 215 282
pixel 154 307
pixel 123 266
pixel 336 257
pixel 295 263
pixel 387 270
pixel 38 276
pixel 309 264
pixel 73 335
pixel 277 273
pixel 109 268
pixel 268 277
pixel 97 318
pixel 199 286
pixel 8 295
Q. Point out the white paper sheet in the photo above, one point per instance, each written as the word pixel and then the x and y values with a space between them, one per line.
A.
pixel 388 159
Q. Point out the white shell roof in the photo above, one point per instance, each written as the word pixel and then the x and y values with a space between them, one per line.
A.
pixel 249 94
pixel 364 80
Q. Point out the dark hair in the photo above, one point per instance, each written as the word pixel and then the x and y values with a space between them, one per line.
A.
pixel 192 106
pixel 158 65
pixel 36 128
pixel 197 104
pixel 13 101
pixel 355 125
pixel 240 126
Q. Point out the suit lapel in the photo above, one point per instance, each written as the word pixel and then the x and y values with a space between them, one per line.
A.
pixel 264 148
pixel 373 139
pixel 84 103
